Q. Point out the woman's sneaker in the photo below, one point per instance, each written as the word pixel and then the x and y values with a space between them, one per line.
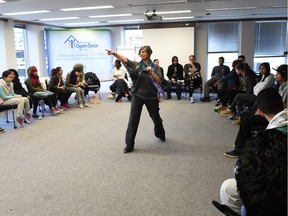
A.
pixel 54 111
pixel 36 116
pixel 86 105
pixel 27 118
pixel 59 109
pixel 19 121
pixel 63 107
pixel 81 106
pixel 192 100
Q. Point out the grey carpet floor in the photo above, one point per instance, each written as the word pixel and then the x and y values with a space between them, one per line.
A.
pixel 73 163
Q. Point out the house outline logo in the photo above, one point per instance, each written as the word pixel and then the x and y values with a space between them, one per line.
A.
pixel 71 41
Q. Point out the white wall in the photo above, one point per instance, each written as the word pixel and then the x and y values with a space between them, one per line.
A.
pixel 7 44
pixel 169 42
pixel 36 48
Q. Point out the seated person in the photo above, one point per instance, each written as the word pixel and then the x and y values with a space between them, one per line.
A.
pixel 261 174
pixel 270 105
pixel 251 121
pixel 120 87
pixel 159 70
pixel 233 86
pixel 8 97
pixel 75 83
pixel 266 81
pixel 35 88
pixel 248 82
pixel 18 89
pixel 56 85
pixel 192 76
pixel 175 74
pixel 217 73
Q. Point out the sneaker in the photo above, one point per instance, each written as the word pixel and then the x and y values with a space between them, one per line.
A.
pixel 19 121
pixel 2 130
pixel 81 106
pixel 67 105
pixel 237 122
pixel 59 109
pixel 36 116
pixel 226 112
pixel 64 108
pixel 205 99
pixel 54 111
pixel 233 117
pixel 192 100
pixel 111 96
pixel 86 105
pixel 218 107
pixel 231 154
pixel 27 118
pixel 119 101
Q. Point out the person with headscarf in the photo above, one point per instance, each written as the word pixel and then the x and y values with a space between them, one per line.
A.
pixel 35 88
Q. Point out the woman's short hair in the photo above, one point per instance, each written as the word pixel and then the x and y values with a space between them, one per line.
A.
pixel 147 49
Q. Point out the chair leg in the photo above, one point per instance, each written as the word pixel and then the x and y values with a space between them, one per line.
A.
pixel 6 114
pixel 43 107
pixel 14 120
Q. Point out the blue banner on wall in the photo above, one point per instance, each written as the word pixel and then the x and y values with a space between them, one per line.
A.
pixel 65 48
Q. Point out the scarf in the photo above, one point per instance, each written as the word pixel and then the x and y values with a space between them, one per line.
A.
pixel 35 81
pixel 155 83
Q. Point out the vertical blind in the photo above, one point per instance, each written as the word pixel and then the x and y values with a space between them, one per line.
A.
pixel 270 38
pixel 223 37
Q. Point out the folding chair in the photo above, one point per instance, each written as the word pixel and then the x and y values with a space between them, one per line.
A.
pixel 6 108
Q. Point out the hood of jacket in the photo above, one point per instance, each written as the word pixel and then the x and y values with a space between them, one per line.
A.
pixel 279 120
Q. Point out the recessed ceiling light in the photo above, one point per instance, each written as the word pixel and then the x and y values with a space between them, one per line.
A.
pixel 158 3
pixel 225 9
pixel 111 15
pixel 88 8
pixel 81 23
pixel 175 18
pixel 25 12
pixel 62 18
pixel 135 20
pixel 167 12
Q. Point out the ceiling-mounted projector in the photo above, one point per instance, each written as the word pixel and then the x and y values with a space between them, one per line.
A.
pixel 153 16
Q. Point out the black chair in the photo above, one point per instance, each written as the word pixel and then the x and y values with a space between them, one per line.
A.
pixel 93 83
pixel 226 210
pixel 6 108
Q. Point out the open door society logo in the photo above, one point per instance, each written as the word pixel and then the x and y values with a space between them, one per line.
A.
pixel 73 43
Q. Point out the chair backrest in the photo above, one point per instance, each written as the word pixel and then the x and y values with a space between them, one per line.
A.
pixel 92 79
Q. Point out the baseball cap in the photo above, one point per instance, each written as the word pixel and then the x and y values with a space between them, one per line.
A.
pixel 281 69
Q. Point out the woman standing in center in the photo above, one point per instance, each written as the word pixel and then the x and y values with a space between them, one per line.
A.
pixel 144 91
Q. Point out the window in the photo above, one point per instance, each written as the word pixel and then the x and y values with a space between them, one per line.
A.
pixel 270 43
pixel 133 37
pixel 19 36
pixel 223 40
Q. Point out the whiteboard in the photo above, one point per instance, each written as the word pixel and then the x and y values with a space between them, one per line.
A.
pixel 128 52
